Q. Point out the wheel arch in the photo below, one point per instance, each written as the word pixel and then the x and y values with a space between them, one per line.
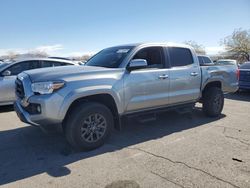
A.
pixel 104 98
pixel 216 83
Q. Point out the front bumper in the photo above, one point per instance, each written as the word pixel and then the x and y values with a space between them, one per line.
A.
pixel 27 104
pixel 23 115
pixel 50 107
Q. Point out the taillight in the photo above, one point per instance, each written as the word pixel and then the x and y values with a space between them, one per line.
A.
pixel 238 73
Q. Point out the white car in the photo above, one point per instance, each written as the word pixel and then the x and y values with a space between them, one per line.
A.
pixel 226 62
pixel 9 71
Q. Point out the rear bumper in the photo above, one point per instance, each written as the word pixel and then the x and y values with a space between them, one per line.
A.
pixel 232 88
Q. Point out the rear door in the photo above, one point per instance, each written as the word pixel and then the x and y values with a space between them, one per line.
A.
pixel 148 87
pixel 185 76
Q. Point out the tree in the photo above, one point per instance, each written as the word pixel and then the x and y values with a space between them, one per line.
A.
pixel 82 58
pixel 37 54
pixel 11 55
pixel 237 44
pixel 199 49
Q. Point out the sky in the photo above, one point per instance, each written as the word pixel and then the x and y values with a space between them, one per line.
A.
pixel 76 27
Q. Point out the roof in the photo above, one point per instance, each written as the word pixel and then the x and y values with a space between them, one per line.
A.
pixel 170 44
pixel 10 63
pixel 44 59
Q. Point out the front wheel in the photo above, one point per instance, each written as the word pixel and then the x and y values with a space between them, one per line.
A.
pixel 88 126
pixel 213 101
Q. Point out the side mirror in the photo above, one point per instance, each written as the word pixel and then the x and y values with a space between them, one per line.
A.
pixel 6 73
pixel 137 64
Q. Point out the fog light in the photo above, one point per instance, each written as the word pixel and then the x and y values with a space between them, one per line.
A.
pixel 39 109
pixel 33 108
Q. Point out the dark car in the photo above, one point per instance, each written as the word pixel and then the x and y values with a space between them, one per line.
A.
pixel 244 80
pixel 226 62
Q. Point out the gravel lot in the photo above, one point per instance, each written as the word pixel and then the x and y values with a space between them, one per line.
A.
pixel 176 150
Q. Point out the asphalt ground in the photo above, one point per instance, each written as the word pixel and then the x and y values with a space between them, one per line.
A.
pixel 176 150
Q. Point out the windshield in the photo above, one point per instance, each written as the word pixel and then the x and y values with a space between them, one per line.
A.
pixel 2 65
pixel 110 57
pixel 245 66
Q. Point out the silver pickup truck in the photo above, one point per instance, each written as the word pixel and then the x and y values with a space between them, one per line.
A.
pixel 89 101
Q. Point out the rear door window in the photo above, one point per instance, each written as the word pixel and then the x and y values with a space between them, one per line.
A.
pixel 180 56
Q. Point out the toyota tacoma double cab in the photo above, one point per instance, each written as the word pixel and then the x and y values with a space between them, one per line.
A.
pixel 89 101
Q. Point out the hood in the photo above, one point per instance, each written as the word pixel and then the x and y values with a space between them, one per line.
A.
pixel 64 72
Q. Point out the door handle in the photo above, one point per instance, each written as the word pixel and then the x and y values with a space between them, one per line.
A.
pixel 163 77
pixel 194 74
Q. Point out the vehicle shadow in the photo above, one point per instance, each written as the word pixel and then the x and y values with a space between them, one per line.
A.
pixel 8 108
pixel 242 96
pixel 27 151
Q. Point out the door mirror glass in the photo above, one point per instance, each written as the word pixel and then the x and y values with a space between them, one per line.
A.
pixel 137 64
pixel 6 73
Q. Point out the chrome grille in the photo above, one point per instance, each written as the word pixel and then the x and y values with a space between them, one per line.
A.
pixel 19 89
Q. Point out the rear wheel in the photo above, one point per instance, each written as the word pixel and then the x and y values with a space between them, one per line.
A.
pixel 88 126
pixel 213 101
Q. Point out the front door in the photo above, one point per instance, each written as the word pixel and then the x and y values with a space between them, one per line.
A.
pixel 148 87
pixel 7 89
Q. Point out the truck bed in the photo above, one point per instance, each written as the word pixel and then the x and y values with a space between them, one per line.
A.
pixel 227 75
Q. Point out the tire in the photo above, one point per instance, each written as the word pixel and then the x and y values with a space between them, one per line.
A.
pixel 88 126
pixel 213 102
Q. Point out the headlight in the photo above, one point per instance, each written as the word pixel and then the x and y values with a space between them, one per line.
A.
pixel 46 87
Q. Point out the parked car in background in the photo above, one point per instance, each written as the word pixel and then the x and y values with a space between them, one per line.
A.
pixel 83 62
pixel 205 60
pixel 226 62
pixel 69 59
pixel 9 71
pixel 244 80
pixel 89 101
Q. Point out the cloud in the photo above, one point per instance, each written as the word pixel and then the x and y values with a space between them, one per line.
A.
pixel 55 49
pixel 7 51
pixel 49 48
pixel 212 50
